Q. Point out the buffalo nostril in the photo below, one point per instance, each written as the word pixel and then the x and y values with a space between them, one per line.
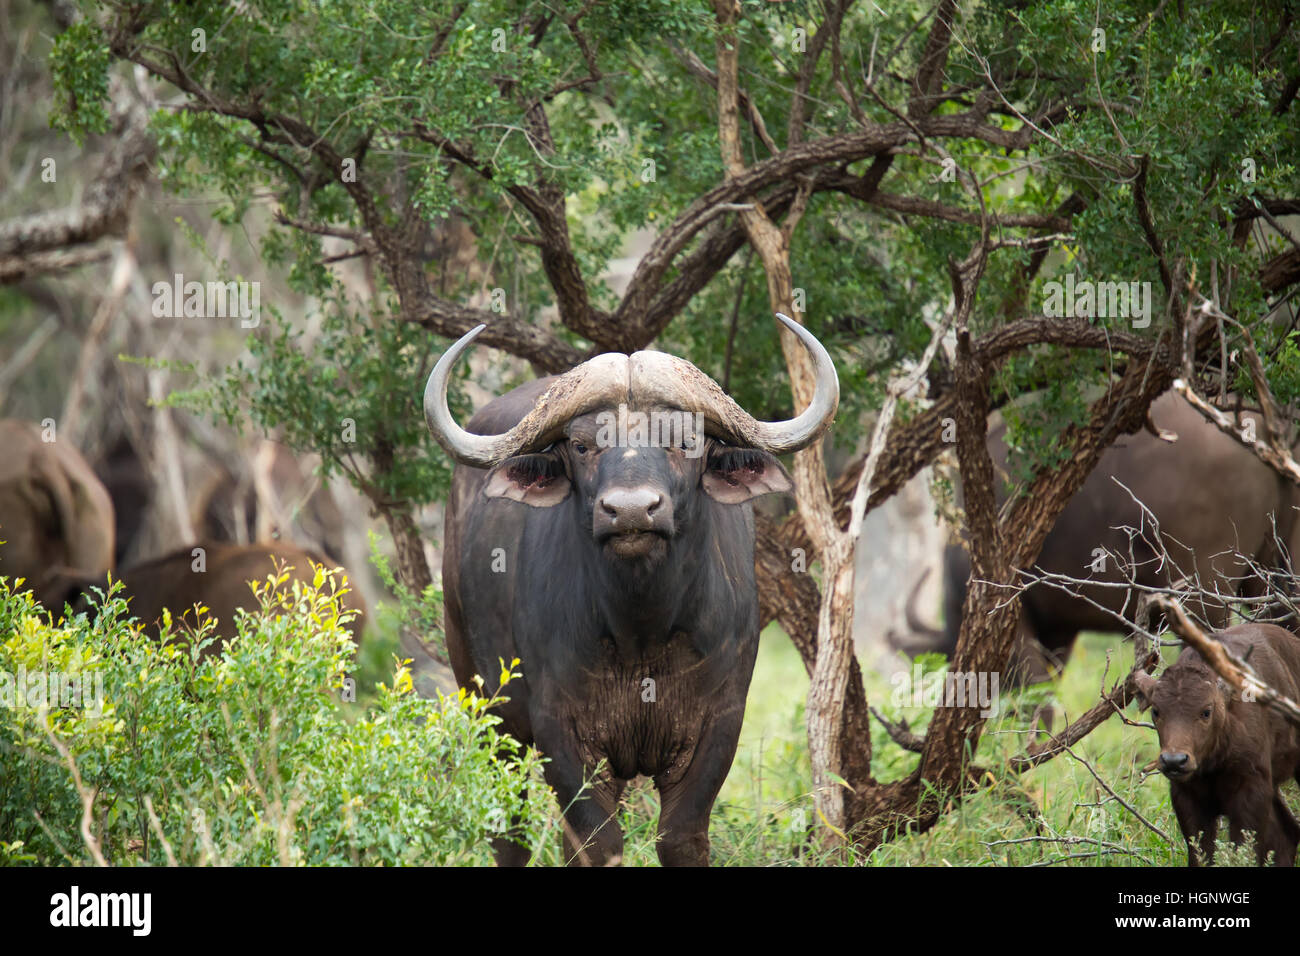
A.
pixel 1173 761
pixel 632 507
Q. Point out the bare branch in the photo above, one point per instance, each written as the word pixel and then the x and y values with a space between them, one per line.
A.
pixel 698 67
pixel 1112 703
pixel 899 733
pixel 1277 457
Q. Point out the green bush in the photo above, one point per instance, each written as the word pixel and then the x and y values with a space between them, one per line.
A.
pixel 152 753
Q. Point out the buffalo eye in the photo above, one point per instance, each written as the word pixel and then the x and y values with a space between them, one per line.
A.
pixel 1155 713
pixel 1205 714
pixel 580 448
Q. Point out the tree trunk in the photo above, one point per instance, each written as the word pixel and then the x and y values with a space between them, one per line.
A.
pixel 834 653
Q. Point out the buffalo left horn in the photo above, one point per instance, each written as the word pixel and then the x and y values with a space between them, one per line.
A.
pixel 659 379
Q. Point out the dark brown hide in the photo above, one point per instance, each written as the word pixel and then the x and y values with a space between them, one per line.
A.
pixel 1225 756
pixel 1210 496
pixel 272 498
pixel 171 582
pixel 129 485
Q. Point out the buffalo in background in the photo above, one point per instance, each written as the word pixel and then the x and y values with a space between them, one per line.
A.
pixel 1213 500
pixel 217 579
pixel 127 480
pixel 55 516
pixel 271 497
pixel 58 525
pixel 620 573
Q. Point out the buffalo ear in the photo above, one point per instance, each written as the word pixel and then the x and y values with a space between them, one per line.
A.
pixel 1146 685
pixel 537 480
pixel 734 475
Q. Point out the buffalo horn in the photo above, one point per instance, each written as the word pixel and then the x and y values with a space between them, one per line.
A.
pixel 643 380
pixel 659 379
pixel 596 383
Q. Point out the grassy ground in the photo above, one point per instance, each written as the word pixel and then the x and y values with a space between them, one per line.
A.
pixel 764 814
pixel 765 809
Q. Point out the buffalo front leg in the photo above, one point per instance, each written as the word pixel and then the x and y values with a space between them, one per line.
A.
pixel 686 801
pixel 510 850
pixel 589 800
pixel 592 836
pixel 1287 832
pixel 1252 809
pixel 1197 824
pixel 509 853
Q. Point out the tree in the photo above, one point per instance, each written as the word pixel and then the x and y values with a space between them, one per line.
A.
pixel 1068 197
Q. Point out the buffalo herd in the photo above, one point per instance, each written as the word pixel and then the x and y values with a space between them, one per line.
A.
pixel 58 527
pixel 599 534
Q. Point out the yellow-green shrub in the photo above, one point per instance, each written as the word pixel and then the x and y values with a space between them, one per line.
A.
pixel 247 756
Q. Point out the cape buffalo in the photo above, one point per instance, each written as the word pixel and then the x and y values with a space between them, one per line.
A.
pixel 55 516
pixel 1211 498
pixel 218 580
pixel 615 560
pixel 1228 756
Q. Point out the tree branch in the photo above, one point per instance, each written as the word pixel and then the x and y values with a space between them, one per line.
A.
pixel 48 240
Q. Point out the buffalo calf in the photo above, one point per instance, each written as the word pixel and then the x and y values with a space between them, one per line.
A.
pixel 1225 756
